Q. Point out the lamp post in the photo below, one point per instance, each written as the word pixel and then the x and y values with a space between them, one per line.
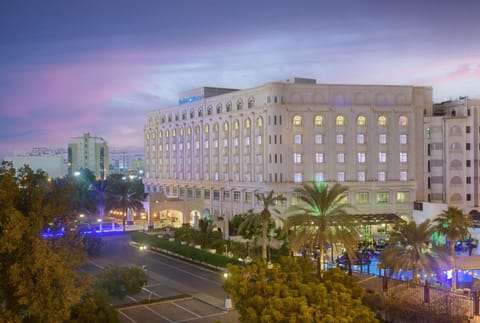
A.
pixel 143 249
pixel 228 300
pixel 143 222
pixel 100 224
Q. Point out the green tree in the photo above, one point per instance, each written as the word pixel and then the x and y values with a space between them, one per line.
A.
pixel 119 281
pixel 123 196
pixel 453 224
pixel 267 201
pixel 321 217
pixel 206 235
pixel 94 308
pixel 411 249
pixel 101 195
pixel 290 292
pixel 38 277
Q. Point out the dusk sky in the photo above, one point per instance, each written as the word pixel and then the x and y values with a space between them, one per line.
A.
pixel 77 66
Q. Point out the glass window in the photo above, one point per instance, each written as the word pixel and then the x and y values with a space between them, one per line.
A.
pixel 225 126
pixel 361 121
pixel 340 120
pixel 341 157
pixel 383 197
pixel 403 197
pixel 206 194
pixel 297 139
pixel 226 195
pixel 382 138
pixel 361 138
pixel 235 125
pixel 248 197
pixel 298 177
pixel 361 176
pixel 259 122
pixel 382 176
pixel 362 158
pixel 259 140
pixel 319 120
pixel 297 158
pixel 319 158
pixel 403 176
pixel 205 128
pixel 319 177
pixel 382 121
pixel 403 139
pixel 246 123
pixel 341 176
pixel 297 120
pixel 236 196
pixel 319 138
pixel 362 198
pixel 382 157
pixel 403 121
pixel 216 195
pixel 247 141
pixel 340 139
pixel 403 157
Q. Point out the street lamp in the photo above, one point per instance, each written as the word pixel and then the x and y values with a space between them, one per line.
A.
pixel 143 249
pixel 100 224
pixel 143 222
pixel 228 300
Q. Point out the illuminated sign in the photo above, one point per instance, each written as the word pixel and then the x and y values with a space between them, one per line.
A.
pixel 190 99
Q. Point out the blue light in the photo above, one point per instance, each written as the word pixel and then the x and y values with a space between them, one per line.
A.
pixel 190 99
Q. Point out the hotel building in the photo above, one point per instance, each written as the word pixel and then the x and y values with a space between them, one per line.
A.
pixel 218 147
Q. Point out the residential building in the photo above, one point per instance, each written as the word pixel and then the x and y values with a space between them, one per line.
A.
pixel 88 152
pixel 221 146
pixel 51 161
pixel 125 162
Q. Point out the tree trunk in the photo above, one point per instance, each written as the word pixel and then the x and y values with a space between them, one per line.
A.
pixel 453 266
pixel 264 241
pixel 123 219
pixel 320 260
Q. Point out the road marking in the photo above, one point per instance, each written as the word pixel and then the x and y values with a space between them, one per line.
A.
pixel 128 317
pixel 186 310
pixel 367 279
pixel 162 316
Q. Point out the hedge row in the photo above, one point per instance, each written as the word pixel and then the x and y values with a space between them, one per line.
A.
pixel 198 255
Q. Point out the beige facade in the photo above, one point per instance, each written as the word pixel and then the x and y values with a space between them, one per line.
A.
pixel 88 152
pixel 221 146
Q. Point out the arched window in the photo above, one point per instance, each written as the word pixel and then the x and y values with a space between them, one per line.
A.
pixel 235 125
pixel 209 110
pixel 229 106
pixel 180 132
pixel 197 130
pixel 239 105
pixel 174 133
pixel 456 180
pixel 251 102
pixel 318 120
pixel 153 134
pixel 200 112
pixel 382 121
pixel 246 123
pixel 205 128
pixel 340 120
pixel 219 108
pixel 184 115
pixel 297 120
pixel 259 122
pixel 167 133
pixel 159 135
pixel 215 127
pixel 225 126
pixel 361 121
pixel 403 121
pixel 189 131
pixel 192 114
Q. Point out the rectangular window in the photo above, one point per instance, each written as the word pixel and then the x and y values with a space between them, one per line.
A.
pixel 469 180
pixel 340 139
pixel 198 193
pixel 360 138
pixel 319 177
pixel 189 193
pixel 361 176
pixel 297 158
pixel 467 129
pixel 362 158
pixel 215 143
pixel 225 142
pixel 205 144
pixel 382 176
pixel 226 195
pixel 236 196
pixel 403 197
pixel 298 177
pixel 247 141
pixel 341 157
pixel 206 194
pixel 319 158
pixel 383 197
pixel 248 197
pixel 235 141
pixel 319 138
pixel 341 176
pixel 362 198
pixel 297 139
pixel 403 176
pixel 382 138
pixel 467 146
pixel 403 157
pixel 403 139
pixel 468 163
pixel 382 157
pixel 259 140
pixel 469 197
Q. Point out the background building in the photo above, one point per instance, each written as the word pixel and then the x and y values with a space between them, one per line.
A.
pixel 222 146
pixel 88 152
pixel 125 162
pixel 51 161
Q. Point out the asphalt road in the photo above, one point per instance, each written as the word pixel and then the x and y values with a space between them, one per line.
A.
pixel 195 293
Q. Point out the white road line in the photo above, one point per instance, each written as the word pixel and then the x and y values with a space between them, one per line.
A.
pixel 128 317
pixel 186 310
pixel 162 316
pixel 210 315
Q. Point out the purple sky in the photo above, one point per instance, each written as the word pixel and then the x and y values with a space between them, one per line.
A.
pixel 70 67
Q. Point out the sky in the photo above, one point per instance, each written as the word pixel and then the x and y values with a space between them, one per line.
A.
pixel 78 66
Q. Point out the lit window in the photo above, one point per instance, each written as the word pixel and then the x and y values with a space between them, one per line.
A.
pixel 205 128
pixel 235 125
pixel 297 139
pixel 319 138
pixel 341 157
pixel 382 157
pixel 403 139
pixel 361 138
pixel 382 138
pixel 246 123
pixel 361 176
pixel 403 121
pixel 297 158
pixel 297 120
pixel 403 176
pixel 298 177
pixel 382 121
pixel 319 177
pixel 341 176
pixel 403 157
pixel 225 126
pixel 382 176
pixel 180 132
pixel 340 139
pixel 362 198
pixel 319 158
pixel 383 197
pixel 259 140
pixel 174 133
pixel 167 133
pixel 197 130
pixel 189 131
pixel 318 120
pixel 403 197
pixel 362 158
pixel 361 121
pixel 259 122
pixel 340 120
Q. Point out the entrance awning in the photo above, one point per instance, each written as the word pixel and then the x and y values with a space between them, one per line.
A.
pixel 372 219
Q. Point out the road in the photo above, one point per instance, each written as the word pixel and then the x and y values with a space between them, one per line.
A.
pixel 196 292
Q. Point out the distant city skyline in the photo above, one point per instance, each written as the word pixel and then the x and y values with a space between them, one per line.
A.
pixel 69 68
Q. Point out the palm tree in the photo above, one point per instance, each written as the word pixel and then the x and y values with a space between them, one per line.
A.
pixel 206 235
pixel 122 196
pixel 250 227
pixel 100 193
pixel 410 249
pixel 268 201
pixel 453 224
pixel 321 217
